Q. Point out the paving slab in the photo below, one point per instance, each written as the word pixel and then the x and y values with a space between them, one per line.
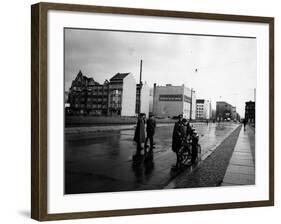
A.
pixel 241 168
pixel 238 178
pixel 242 162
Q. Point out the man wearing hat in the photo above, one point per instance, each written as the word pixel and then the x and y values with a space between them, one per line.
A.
pixel 139 136
pixel 150 130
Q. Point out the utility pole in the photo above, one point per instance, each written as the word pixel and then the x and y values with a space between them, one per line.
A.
pixel 140 87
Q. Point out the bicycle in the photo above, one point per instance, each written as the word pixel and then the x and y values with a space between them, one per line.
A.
pixel 190 150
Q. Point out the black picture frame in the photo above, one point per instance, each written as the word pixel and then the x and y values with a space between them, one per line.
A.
pixel 39 106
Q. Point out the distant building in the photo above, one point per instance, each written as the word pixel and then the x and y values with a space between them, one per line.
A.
pixel 203 109
pixel 238 117
pixel 234 114
pixel 213 114
pixel 250 109
pixel 170 101
pixel 114 97
pixel 122 94
pixel 86 96
pixel 224 111
pixel 151 100
pixel 193 105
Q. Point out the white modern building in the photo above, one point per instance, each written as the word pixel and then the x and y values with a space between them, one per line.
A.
pixel 193 105
pixel 203 109
pixel 123 93
pixel 170 101
pixel 151 100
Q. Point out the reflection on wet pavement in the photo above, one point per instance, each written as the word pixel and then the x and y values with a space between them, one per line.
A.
pixel 104 162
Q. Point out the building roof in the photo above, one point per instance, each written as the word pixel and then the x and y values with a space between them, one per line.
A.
pixel 250 102
pixel 119 76
pixel 223 102
pixel 79 73
pixel 86 80
pixel 91 81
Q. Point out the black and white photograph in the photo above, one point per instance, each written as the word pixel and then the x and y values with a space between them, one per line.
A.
pixel 156 111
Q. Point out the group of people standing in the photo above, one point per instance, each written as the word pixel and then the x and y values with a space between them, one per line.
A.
pixel 140 138
pixel 182 130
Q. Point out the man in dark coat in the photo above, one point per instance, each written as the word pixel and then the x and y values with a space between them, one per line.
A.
pixel 150 131
pixel 178 133
pixel 139 136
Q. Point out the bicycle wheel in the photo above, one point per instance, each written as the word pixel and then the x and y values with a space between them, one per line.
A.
pixel 182 156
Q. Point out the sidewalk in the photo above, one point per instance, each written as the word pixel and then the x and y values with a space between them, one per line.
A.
pixel 241 168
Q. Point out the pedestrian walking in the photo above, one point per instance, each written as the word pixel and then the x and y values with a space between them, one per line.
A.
pixel 178 133
pixel 139 136
pixel 150 131
pixel 245 124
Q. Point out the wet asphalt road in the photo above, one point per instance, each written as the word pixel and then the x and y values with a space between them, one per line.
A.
pixel 102 161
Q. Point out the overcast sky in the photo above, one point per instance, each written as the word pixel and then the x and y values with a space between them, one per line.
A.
pixel 217 68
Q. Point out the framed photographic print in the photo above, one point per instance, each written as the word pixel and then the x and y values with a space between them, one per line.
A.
pixel 141 111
